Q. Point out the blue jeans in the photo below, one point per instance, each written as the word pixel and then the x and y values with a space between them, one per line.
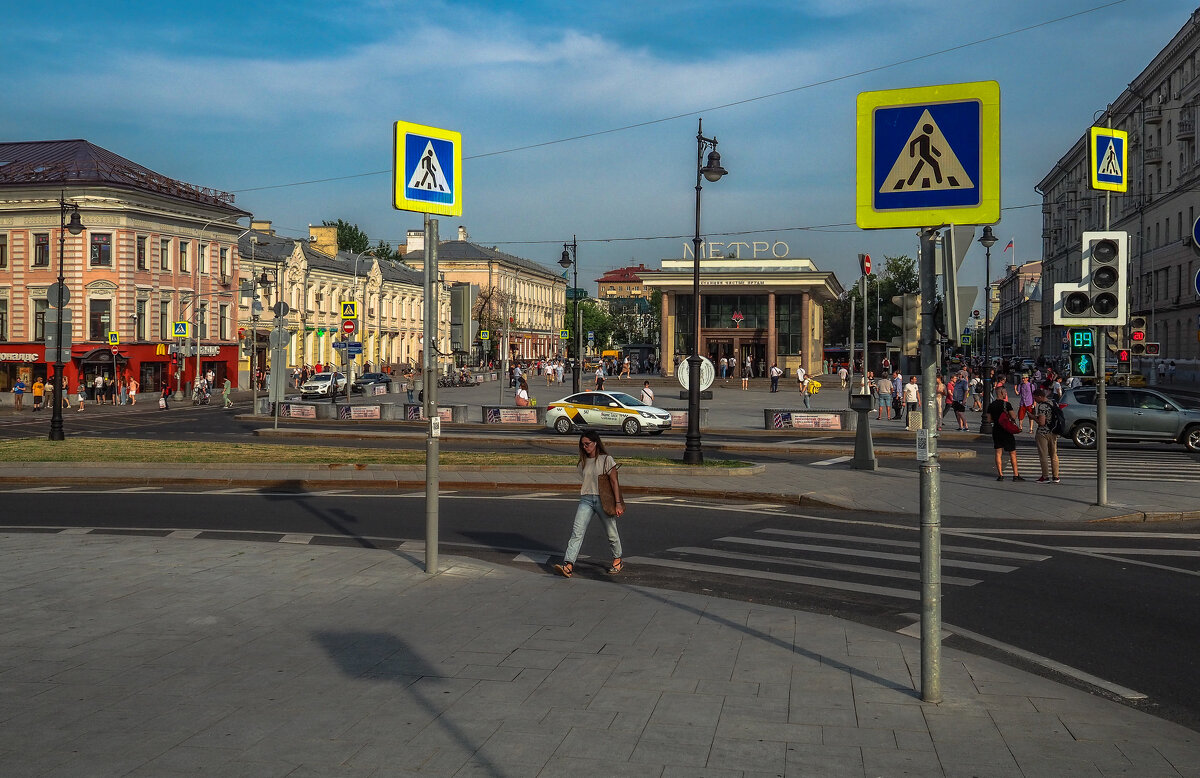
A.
pixel 589 505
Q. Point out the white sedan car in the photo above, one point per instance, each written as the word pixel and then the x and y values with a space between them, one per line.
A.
pixel 606 410
pixel 319 385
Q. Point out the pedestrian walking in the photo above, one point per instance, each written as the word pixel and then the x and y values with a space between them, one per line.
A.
pixel 1046 437
pixel 39 392
pixel 18 394
pixel 81 393
pixel 600 377
pixel 133 390
pixel 647 393
pixel 1004 441
pixel 594 464
pixel 1025 393
pixel 883 391
pixel 776 371
pixel 844 376
pixel 802 385
pixel 958 400
pixel 912 404
pixel 226 387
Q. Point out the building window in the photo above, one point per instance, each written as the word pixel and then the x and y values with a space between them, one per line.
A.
pixel 139 323
pixel 39 319
pixel 99 319
pixel 183 257
pixel 141 252
pixel 164 319
pixel 164 254
pixel 224 322
pixel 201 258
pixel 3 321
pixel 3 251
pixel 41 249
pixel 224 262
pixel 101 255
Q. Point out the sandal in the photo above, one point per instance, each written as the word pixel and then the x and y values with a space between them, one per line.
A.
pixel 565 569
pixel 615 567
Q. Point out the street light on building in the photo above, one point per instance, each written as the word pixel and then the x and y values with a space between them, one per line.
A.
pixel 710 171
pixel 988 240
pixel 570 259
pixel 75 227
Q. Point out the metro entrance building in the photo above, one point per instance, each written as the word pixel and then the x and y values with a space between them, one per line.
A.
pixel 766 306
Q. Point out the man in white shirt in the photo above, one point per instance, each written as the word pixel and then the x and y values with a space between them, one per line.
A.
pixel 844 376
pixel 647 393
pixel 802 383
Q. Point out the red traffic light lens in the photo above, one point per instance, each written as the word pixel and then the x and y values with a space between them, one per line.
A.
pixel 1123 355
pixel 1137 336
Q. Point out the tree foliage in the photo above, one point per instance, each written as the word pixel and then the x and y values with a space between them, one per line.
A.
pixel 899 277
pixel 349 236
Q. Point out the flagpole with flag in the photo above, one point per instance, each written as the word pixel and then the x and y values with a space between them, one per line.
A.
pixel 1011 245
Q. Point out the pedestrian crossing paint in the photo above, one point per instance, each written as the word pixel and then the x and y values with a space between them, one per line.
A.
pixel 1177 466
pixel 841 562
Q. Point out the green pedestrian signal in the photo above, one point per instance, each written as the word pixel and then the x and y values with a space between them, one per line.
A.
pixel 1083 365
pixel 1082 340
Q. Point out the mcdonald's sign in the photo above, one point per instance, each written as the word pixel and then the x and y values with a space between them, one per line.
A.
pixel 160 349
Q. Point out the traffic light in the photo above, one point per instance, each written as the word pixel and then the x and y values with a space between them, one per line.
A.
pixel 1123 361
pixel 1110 340
pixel 1137 335
pixel 1083 351
pixel 1153 349
pixel 907 321
pixel 1099 297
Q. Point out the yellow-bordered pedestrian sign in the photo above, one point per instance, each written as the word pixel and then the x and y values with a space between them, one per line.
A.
pixel 928 156
pixel 1108 159
pixel 182 329
pixel 349 310
pixel 564 334
pixel 114 339
pixel 485 334
pixel 427 169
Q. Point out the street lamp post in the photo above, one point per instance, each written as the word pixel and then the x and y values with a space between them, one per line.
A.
pixel 361 331
pixel 75 227
pixel 988 240
pixel 711 171
pixel 570 258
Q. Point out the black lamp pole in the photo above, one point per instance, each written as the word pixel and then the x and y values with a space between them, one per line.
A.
pixel 712 171
pixel 570 258
pixel 988 240
pixel 75 227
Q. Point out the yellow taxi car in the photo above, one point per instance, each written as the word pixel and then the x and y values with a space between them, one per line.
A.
pixel 606 410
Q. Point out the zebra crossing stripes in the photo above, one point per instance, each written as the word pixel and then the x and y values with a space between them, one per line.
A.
pixel 1176 466
pixel 882 564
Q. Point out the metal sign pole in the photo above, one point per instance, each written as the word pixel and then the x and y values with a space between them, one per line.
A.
pixel 931 498
pixel 431 408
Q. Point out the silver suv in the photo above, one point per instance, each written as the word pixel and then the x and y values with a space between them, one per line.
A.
pixel 1133 414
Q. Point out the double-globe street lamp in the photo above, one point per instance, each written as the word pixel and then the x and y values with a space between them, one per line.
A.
pixel 75 227
pixel 570 259
pixel 987 240
pixel 711 171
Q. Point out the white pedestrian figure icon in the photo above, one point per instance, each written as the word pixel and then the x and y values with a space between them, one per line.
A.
pixel 926 162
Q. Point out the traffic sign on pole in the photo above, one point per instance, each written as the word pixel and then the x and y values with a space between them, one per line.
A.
pixel 349 310
pixel 427 171
pixel 864 262
pixel 928 156
pixel 1108 155
pixel 349 326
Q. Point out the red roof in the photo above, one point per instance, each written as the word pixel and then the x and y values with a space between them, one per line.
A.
pixel 626 275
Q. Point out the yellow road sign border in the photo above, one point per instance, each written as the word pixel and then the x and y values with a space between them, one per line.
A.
pixel 988 209
pixel 1094 136
pixel 402 203
pixel 349 309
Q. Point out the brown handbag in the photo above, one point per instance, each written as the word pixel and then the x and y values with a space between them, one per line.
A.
pixel 608 500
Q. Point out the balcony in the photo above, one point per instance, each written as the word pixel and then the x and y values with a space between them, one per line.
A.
pixel 1186 128
pixel 1153 114
pixel 1154 155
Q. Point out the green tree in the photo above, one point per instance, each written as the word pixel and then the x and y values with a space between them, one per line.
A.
pixel 596 320
pixel 384 250
pixel 899 277
pixel 349 236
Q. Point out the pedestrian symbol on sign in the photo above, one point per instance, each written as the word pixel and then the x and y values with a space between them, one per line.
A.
pixel 927 162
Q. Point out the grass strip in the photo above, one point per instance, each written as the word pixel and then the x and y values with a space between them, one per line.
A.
pixel 172 451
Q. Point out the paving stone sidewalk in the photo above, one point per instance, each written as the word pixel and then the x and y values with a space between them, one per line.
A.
pixel 173 656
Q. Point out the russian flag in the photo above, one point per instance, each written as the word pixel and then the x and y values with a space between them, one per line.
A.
pixel 1009 246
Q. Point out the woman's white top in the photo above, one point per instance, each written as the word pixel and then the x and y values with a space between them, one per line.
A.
pixel 591 470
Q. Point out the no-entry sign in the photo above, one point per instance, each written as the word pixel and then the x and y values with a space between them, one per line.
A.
pixel 349 326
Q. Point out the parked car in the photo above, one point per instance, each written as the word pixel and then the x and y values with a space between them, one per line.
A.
pixel 606 410
pixel 319 385
pixel 1134 414
pixel 370 379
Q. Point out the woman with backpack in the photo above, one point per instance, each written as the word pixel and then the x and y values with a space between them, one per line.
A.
pixel 1046 436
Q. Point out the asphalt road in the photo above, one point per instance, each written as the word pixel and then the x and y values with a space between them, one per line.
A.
pixel 1118 604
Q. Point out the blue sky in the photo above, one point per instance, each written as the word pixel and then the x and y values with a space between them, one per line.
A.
pixel 240 96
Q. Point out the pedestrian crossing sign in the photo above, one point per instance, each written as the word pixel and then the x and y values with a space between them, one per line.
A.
pixel 427 169
pixel 928 156
pixel 350 310
pixel 181 329
pixel 485 334
pixel 1108 157
pixel 114 339
pixel 564 334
